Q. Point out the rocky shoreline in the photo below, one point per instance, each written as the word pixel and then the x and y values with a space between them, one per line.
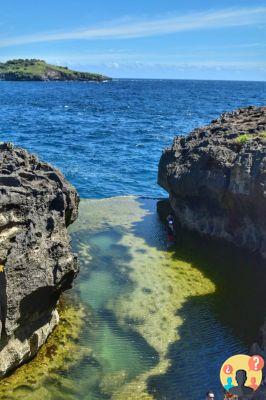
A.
pixel 37 264
pixel 216 178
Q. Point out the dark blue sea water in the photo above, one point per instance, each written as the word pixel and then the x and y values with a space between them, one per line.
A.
pixel 107 138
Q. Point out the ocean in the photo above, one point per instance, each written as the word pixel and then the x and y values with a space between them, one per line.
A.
pixel 107 138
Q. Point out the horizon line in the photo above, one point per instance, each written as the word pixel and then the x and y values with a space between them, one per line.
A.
pixel 138 79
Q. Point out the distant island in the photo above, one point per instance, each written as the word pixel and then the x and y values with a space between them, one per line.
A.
pixel 39 70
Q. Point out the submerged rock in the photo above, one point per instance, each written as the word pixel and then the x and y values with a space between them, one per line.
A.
pixel 216 178
pixel 36 263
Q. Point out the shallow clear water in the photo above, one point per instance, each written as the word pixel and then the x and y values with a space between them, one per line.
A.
pixel 159 323
pixel 107 138
pixel 162 328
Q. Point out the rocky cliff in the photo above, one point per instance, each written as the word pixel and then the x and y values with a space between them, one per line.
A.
pixel 216 178
pixel 36 263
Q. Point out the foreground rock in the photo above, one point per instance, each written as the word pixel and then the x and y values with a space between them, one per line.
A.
pixel 216 178
pixel 36 263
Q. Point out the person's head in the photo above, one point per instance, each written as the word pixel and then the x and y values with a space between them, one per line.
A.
pixel 229 381
pixel 241 377
pixel 210 396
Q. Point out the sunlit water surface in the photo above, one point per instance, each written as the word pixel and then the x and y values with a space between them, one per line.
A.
pixel 107 138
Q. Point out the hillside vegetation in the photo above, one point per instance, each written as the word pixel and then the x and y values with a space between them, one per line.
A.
pixel 39 70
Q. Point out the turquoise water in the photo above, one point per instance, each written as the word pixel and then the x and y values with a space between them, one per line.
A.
pixel 159 324
pixel 138 337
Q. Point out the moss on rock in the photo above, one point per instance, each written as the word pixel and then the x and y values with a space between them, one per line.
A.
pixel 61 352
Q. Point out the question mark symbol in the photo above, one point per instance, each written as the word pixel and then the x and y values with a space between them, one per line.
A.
pixel 228 369
pixel 256 363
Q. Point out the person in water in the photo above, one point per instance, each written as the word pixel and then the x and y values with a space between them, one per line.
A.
pixel 210 396
pixel 170 228
pixel 170 221
pixel 241 391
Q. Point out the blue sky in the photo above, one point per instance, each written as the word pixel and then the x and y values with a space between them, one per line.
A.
pixel 197 39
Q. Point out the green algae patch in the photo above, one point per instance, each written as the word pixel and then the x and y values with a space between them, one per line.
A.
pixel 34 380
pixel 157 285
pixel 160 287
pixel 163 314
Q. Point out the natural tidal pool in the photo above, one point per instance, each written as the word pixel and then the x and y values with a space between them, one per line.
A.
pixel 142 322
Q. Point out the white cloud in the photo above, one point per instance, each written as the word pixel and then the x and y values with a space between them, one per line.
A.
pixel 134 28
pixel 142 60
pixel 113 65
pixel 218 65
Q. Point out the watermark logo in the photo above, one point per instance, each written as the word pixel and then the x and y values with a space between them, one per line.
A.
pixel 241 375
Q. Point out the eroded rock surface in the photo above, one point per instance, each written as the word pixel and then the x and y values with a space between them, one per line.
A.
pixel 36 263
pixel 216 178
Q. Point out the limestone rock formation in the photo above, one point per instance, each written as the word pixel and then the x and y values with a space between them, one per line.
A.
pixel 36 263
pixel 216 178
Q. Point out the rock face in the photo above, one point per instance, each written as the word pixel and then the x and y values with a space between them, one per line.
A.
pixel 36 263
pixel 216 178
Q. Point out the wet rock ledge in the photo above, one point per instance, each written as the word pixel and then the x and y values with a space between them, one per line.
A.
pixel 216 178
pixel 36 263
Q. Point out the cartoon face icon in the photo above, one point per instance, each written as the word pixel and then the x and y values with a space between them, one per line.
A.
pixel 253 383
pixel 241 374
pixel 229 384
